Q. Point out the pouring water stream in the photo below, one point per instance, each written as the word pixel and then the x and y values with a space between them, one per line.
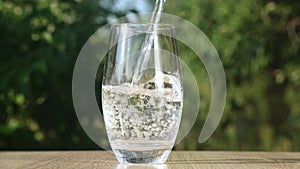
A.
pixel 151 39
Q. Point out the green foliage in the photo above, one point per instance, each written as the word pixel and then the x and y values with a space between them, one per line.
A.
pixel 261 67
pixel 40 41
pixel 257 42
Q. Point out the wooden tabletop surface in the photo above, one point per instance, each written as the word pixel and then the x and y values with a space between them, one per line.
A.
pixel 177 160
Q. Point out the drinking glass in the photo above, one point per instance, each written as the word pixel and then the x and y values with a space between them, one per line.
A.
pixel 142 93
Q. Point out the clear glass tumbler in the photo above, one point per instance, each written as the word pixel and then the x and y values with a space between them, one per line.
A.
pixel 142 93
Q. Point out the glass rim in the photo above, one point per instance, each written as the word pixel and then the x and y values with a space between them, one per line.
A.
pixel 142 26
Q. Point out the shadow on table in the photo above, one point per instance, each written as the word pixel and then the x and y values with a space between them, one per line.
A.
pixel 142 166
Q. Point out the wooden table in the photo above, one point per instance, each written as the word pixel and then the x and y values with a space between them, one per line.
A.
pixel 177 160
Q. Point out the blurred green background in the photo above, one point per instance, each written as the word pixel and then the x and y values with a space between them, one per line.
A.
pixel 258 42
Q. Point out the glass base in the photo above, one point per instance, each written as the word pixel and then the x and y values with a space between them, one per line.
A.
pixel 142 157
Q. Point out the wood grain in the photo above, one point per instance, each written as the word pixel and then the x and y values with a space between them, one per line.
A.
pixel 177 160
